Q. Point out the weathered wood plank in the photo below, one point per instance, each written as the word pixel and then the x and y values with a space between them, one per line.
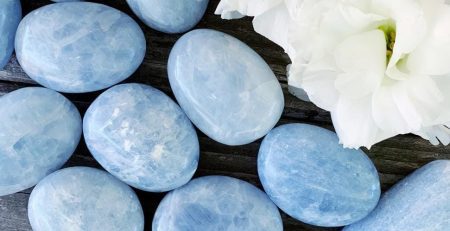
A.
pixel 394 158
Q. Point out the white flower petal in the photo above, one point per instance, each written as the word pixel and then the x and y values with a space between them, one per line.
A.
pixel 362 59
pixel 392 110
pixel 435 134
pixel 432 57
pixel 230 9
pixel 354 124
pixel 317 79
pixel 410 29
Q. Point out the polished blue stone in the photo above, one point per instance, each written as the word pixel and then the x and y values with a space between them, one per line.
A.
pixel 142 137
pixel 226 89
pixel 169 16
pixel 79 46
pixel 10 15
pixel 82 198
pixel 421 201
pixel 311 177
pixel 217 203
pixel 39 131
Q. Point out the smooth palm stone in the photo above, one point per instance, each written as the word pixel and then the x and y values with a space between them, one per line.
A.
pixel 10 15
pixel 82 198
pixel 421 201
pixel 311 177
pixel 169 16
pixel 39 131
pixel 217 203
pixel 226 89
pixel 142 137
pixel 79 46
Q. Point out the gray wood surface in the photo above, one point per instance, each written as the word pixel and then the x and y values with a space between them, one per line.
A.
pixel 394 158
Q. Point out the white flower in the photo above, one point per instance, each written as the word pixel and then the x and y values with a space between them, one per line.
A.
pixel 381 67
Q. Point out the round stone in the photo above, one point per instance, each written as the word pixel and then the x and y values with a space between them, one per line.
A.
pixel 226 89
pixel 217 203
pixel 421 201
pixel 142 137
pixel 79 46
pixel 10 16
pixel 82 198
pixel 169 16
pixel 312 178
pixel 39 131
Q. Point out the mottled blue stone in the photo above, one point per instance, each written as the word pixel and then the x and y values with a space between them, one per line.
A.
pixel 79 46
pixel 10 15
pixel 311 177
pixel 169 16
pixel 66 0
pixel 226 89
pixel 82 198
pixel 142 137
pixel 39 131
pixel 421 201
pixel 217 203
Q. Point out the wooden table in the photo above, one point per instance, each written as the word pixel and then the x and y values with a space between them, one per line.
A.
pixel 394 158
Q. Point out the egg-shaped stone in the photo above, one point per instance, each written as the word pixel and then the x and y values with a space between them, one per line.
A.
pixel 312 178
pixel 39 131
pixel 142 137
pixel 217 203
pixel 83 198
pixel 66 0
pixel 79 46
pixel 421 201
pixel 226 89
pixel 10 15
pixel 169 16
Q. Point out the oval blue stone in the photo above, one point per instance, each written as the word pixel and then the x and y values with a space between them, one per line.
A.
pixel 39 131
pixel 10 16
pixel 79 46
pixel 142 137
pixel 226 89
pixel 82 198
pixel 421 201
pixel 311 177
pixel 217 203
pixel 169 16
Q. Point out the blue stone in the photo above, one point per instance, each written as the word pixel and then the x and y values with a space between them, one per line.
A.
pixel 169 16
pixel 39 131
pixel 226 89
pixel 10 15
pixel 217 203
pixel 312 178
pixel 142 137
pixel 421 201
pixel 82 198
pixel 79 46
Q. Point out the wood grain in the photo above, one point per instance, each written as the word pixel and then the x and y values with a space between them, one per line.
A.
pixel 394 158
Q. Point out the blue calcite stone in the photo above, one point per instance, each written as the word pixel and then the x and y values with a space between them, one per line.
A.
pixel 10 15
pixel 226 89
pixel 217 203
pixel 39 131
pixel 311 177
pixel 142 137
pixel 82 198
pixel 79 46
pixel 421 201
pixel 169 16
